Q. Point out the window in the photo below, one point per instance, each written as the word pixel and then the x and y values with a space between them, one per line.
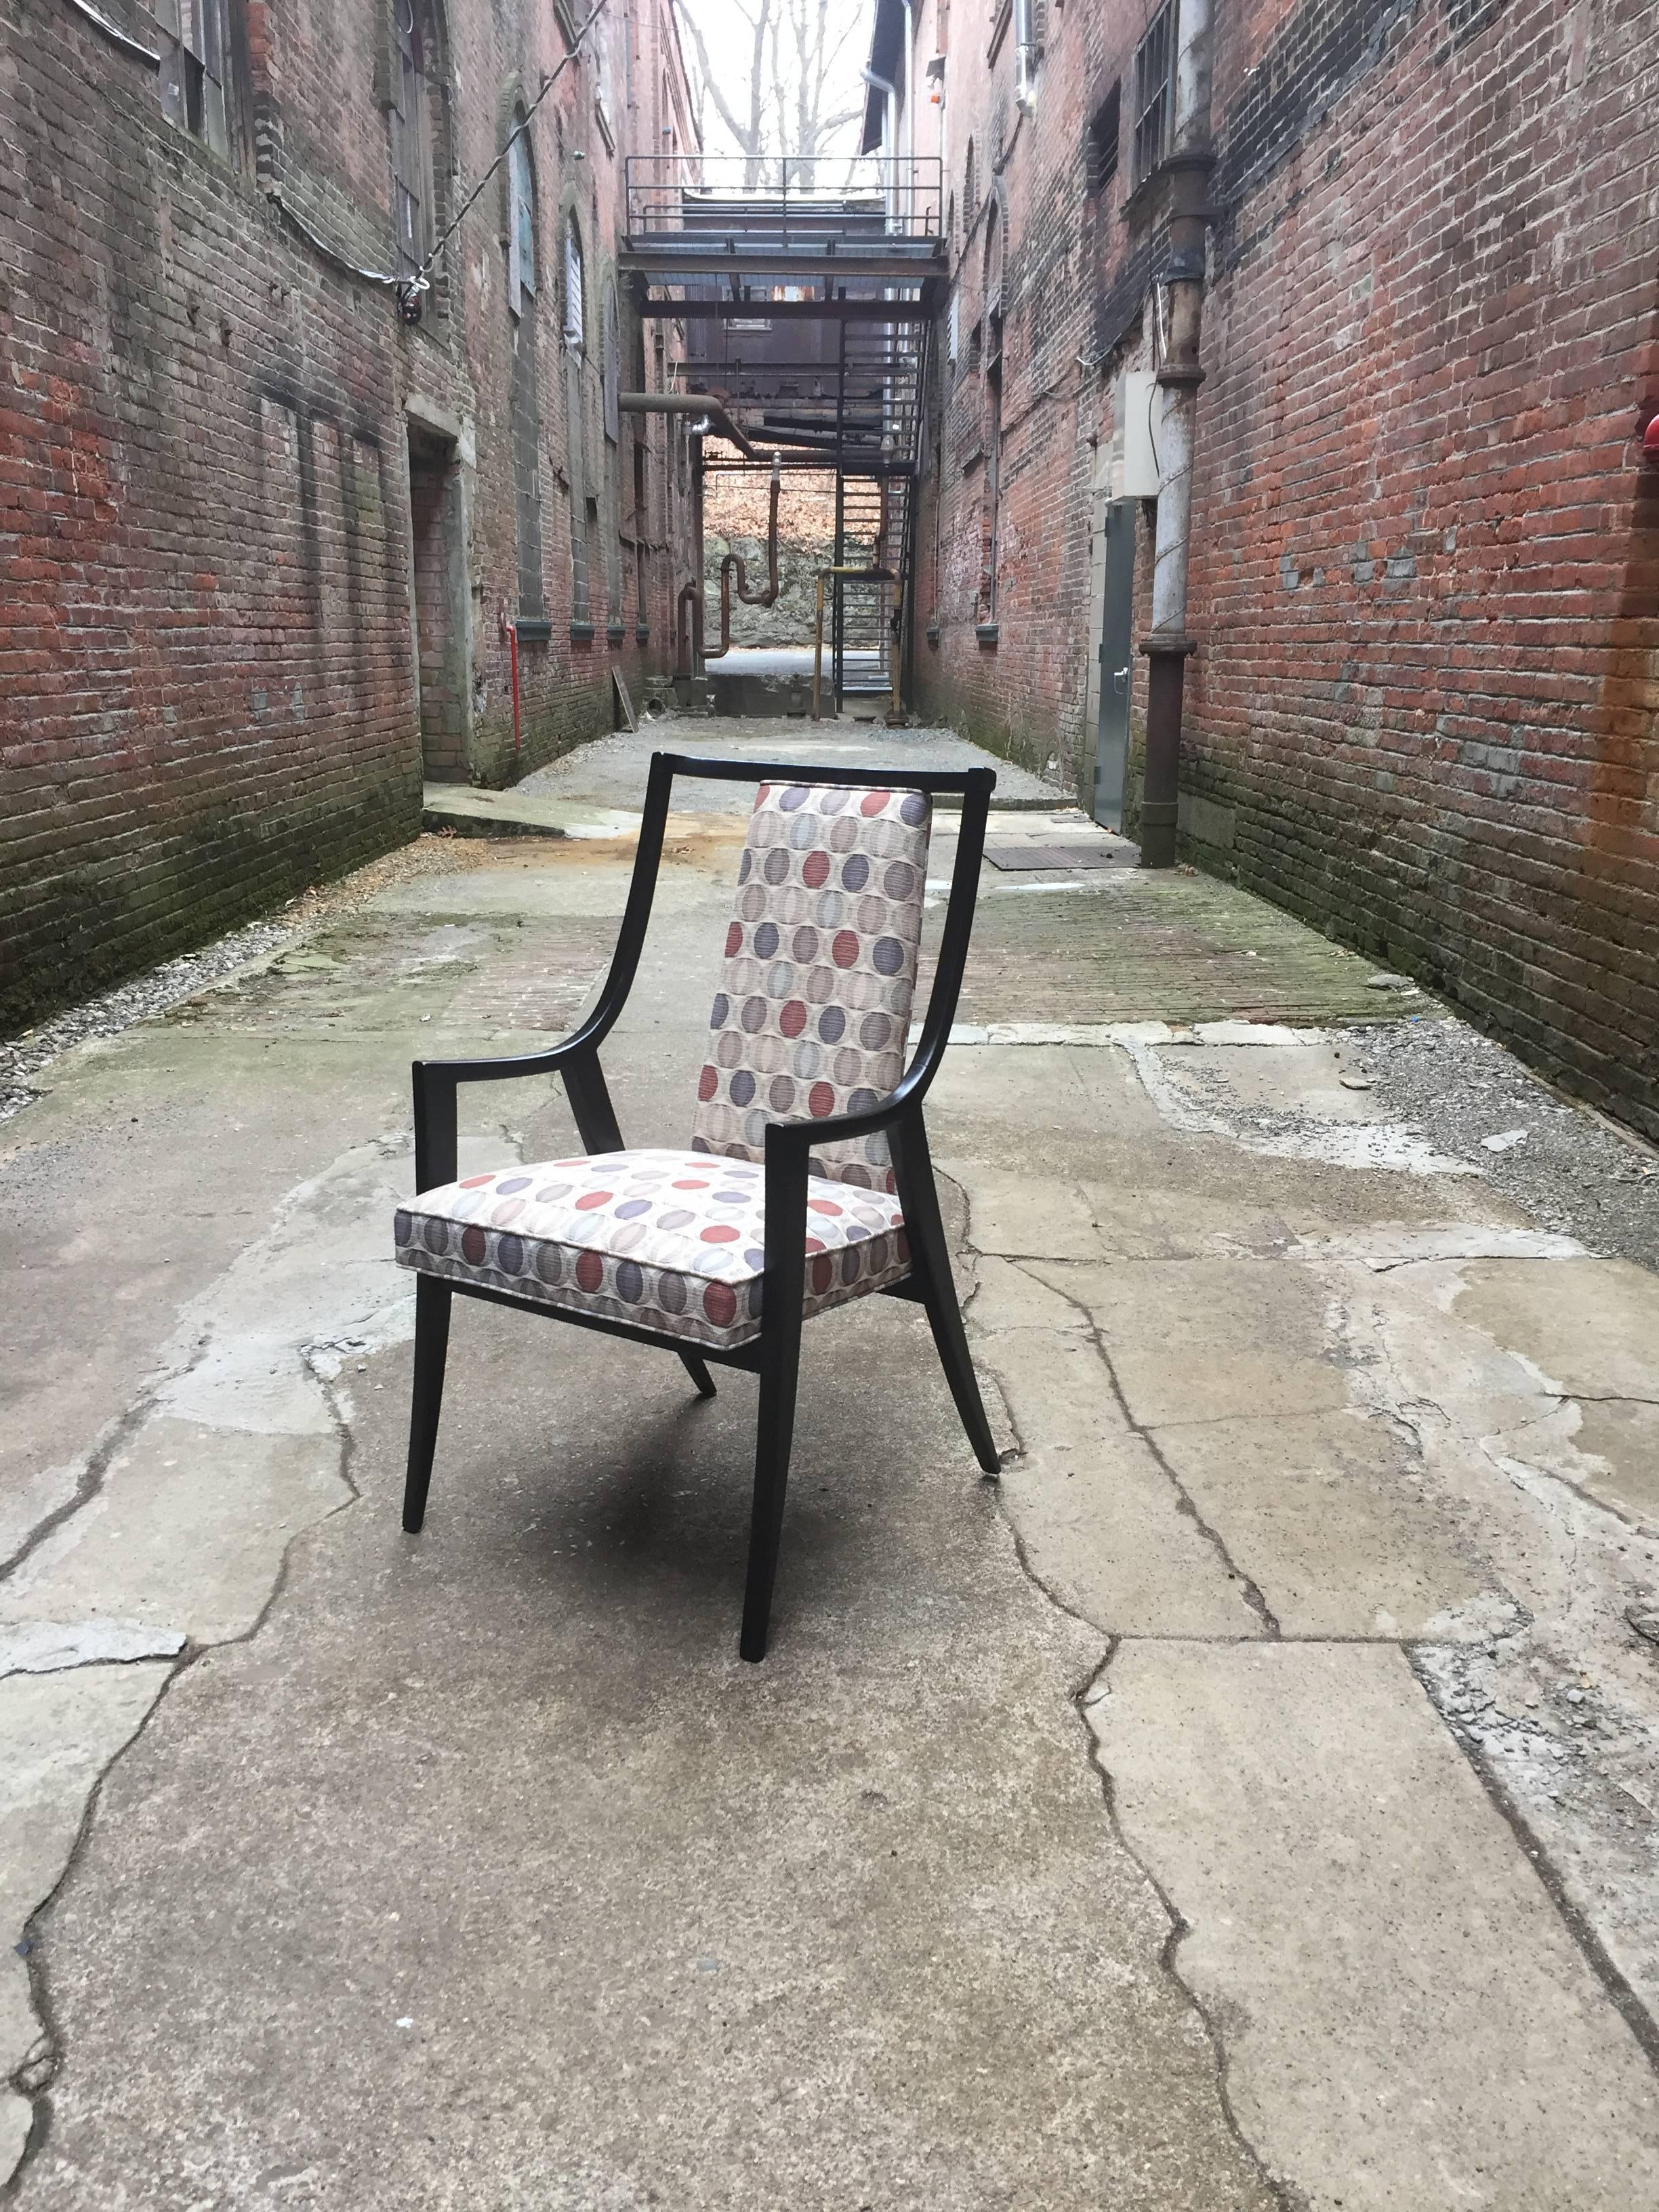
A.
pixel 520 217
pixel 969 205
pixel 575 321
pixel 1154 72
pixel 1100 149
pixel 195 71
pixel 953 330
pixel 411 142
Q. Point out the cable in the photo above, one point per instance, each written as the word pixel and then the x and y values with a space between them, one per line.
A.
pixel 115 34
pixel 332 254
pixel 422 276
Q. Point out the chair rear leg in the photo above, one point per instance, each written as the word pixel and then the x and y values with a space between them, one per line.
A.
pixel 433 1298
pixel 774 1436
pixel 931 1258
pixel 699 1374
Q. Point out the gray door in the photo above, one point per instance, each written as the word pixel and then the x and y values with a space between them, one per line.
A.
pixel 1116 664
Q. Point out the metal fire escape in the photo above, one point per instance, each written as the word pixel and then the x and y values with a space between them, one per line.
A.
pixel 808 289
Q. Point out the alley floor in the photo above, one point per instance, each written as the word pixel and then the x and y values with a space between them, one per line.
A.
pixel 1250 1801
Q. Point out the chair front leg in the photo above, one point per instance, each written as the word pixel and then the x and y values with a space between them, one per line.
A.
pixel 930 1262
pixel 433 1298
pixel 784 1291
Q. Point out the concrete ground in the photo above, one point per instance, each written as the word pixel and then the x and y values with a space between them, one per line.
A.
pixel 1249 1801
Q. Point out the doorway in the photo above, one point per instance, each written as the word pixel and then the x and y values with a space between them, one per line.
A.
pixel 1115 683
pixel 440 675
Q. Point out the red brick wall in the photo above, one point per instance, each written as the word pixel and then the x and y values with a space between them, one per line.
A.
pixel 1425 557
pixel 207 661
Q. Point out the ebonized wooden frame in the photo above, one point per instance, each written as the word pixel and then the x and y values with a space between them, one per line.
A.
pixel 774 1356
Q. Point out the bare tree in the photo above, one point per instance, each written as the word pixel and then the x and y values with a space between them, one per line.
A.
pixel 789 91
pixel 809 62
pixel 741 108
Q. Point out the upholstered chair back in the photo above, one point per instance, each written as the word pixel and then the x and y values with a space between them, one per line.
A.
pixel 812 1014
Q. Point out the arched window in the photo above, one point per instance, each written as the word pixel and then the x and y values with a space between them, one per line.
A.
pixel 969 205
pixel 520 217
pixel 418 119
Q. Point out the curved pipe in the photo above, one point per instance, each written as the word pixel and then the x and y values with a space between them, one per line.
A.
pixel 734 562
pixel 688 649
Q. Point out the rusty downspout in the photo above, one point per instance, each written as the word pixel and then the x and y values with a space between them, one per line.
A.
pixel 1167 643
pixel 733 565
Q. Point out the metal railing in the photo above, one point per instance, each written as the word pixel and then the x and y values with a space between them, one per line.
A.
pixel 785 200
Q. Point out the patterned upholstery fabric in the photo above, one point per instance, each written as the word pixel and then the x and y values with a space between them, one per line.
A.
pixel 813 1011
pixel 669 1241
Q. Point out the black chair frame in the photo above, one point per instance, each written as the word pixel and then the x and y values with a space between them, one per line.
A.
pixel 774 1356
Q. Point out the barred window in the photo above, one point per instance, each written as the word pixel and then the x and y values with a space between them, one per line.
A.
pixel 1100 150
pixel 1154 78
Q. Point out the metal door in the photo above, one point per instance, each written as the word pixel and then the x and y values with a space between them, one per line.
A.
pixel 1116 664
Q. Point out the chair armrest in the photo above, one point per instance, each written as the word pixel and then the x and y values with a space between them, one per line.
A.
pixel 436 1082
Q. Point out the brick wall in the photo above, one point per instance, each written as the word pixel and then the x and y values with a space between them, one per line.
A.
pixel 1424 558
pixel 209 689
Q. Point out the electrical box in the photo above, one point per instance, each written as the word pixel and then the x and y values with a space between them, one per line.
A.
pixel 1139 404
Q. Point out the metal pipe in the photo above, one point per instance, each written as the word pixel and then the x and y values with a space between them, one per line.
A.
pixel 688 403
pixel 1179 373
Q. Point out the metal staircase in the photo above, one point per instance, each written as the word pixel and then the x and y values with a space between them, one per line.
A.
pixel 807 300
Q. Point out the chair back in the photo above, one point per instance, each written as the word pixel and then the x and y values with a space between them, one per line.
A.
pixel 812 1014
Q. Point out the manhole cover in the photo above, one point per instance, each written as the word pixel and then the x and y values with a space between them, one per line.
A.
pixel 1017 855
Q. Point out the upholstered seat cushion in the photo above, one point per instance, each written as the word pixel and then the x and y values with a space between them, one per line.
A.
pixel 669 1241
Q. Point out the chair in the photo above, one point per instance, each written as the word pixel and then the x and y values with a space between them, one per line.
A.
pixel 807 1181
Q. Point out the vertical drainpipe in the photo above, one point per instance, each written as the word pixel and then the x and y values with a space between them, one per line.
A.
pixel 1179 375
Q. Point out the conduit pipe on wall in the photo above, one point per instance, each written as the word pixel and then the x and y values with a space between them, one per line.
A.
pixel 688 403
pixel 733 565
pixel 1179 374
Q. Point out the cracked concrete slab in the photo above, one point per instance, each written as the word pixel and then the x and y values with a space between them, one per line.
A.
pixel 1102 1524
pixel 1331 1516
pixel 501 1819
pixel 59 1733
pixel 463 1819
pixel 1266 1345
pixel 1407 2022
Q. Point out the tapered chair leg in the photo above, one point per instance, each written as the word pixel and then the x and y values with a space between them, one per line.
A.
pixel 699 1374
pixel 774 1433
pixel 931 1261
pixel 432 1304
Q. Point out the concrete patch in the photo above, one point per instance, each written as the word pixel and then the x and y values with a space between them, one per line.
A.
pixel 47 1647
pixel 1592 1326
pixel 1339 1139
pixel 1408 2021
pixel 185 1534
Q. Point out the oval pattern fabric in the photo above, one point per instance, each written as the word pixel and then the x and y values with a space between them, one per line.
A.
pixel 674 1242
pixel 853 864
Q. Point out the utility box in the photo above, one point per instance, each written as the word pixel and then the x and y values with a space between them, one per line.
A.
pixel 1138 401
